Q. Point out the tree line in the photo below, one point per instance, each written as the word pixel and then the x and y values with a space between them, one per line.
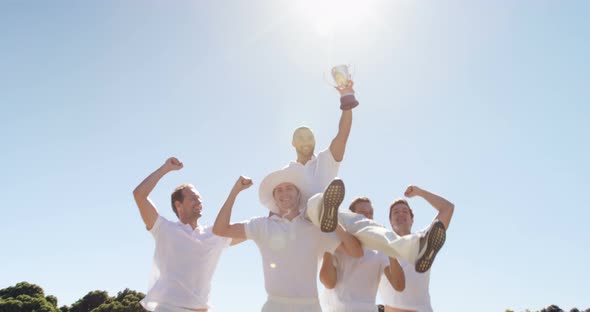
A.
pixel 26 297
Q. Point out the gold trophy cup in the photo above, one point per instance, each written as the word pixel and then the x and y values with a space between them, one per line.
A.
pixel 341 75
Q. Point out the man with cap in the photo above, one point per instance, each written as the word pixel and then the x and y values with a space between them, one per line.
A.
pixel 186 252
pixel 289 245
pixel 319 170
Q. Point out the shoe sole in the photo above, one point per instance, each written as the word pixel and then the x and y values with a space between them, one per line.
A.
pixel 333 196
pixel 435 240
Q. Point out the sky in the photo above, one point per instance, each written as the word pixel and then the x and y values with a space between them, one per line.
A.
pixel 483 102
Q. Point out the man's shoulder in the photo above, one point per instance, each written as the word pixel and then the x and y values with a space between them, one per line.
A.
pixel 258 220
pixel 326 156
pixel 163 222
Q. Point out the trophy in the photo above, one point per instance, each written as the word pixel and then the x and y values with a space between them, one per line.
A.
pixel 342 78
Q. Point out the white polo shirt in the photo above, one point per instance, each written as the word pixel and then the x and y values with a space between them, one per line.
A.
pixel 184 262
pixel 415 297
pixel 319 171
pixel 290 253
pixel 357 282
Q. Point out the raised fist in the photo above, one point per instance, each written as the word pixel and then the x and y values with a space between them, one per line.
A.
pixel 412 191
pixel 172 163
pixel 347 90
pixel 243 183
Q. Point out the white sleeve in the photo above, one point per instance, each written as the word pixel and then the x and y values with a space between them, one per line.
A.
pixel 384 261
pixel 220 240
pixel 160 223
pixel 327 168
pixel 255 228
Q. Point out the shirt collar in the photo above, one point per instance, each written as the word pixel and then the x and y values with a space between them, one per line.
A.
pixel 295 162
pixel 187 227
pixel 275 217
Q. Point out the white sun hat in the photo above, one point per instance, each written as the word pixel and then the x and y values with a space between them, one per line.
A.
pixel 272 180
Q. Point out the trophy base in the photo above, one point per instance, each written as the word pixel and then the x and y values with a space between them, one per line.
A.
pixel 348 102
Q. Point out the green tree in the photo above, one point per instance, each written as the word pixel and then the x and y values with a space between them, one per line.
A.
pixel 10 305
pixel 22 288
pixel 52 299
pixel 99 301
pixel 91 301
pixel 25 297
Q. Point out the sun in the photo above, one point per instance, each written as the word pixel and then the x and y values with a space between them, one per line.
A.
pixel 328 17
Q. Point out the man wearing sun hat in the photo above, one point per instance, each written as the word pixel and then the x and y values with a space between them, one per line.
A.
pixel 289 245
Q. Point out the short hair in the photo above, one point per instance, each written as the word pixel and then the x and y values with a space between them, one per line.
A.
pixel 400 201
pixel 301 128
pixel 360 199
pixel 178 196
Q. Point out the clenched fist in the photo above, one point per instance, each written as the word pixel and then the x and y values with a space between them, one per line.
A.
pixel 412 191
pixel 346 90
pixel 172 163
pixel 243 183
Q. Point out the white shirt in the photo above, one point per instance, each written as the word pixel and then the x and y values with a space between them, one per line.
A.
pixel 415 296
pixel 357 282
pixel 319 171
pixel 290 253
pixel 184 262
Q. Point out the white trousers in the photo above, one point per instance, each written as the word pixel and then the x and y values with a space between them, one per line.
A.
pixel 163 307
pixel 281 304
pixel 371 234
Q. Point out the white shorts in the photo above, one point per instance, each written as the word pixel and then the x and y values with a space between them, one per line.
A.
pixel 281 304
pixel 162 307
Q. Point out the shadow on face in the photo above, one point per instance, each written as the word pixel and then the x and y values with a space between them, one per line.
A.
pixel 304 141
pixel 286 196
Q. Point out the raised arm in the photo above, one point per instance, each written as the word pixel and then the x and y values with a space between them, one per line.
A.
pixel 147 209
pixel 338 145
pixel 222 227
pixel 328 275
pixel 350 244
pixel 445 208
pixel 395 275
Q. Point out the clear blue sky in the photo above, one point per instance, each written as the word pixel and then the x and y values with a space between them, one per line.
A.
pixel 483 102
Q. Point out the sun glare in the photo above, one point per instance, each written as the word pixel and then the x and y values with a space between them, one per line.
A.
pixel 330 16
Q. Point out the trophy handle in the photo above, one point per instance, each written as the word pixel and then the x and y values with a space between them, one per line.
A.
pixel 329 81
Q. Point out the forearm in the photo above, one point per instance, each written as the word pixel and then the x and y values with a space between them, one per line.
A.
pixel 149 183
pixel 222 222
pixel 147 209
pixel 350 244
pixel 338 145
pixel 328 275
pixel 395 275
pixel 345 124
pixel 445 208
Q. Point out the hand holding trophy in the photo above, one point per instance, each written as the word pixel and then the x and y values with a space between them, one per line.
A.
pixel 344 84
